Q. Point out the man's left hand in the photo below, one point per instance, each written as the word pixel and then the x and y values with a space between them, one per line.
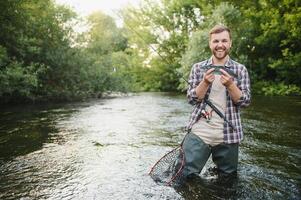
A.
pixel 226 79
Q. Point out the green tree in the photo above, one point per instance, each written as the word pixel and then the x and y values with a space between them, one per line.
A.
pixel 40 37
pixel 106 47
pixel 164 27
pixel 265 36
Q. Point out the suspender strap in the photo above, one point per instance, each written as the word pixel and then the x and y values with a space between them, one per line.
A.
pixel 218 112
pixel 209 103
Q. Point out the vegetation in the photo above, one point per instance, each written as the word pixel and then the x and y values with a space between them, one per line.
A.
pixel 42 58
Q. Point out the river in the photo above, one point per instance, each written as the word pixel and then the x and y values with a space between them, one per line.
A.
pixel 104 149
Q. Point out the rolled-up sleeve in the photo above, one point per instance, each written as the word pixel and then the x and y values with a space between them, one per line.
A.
pixel 245 87
pixel 194 80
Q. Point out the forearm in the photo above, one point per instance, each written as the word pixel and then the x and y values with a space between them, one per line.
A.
pixel 201 89
pixel 240 94
pixel 234 92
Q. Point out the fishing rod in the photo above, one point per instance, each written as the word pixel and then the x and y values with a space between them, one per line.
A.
pixel 207 67
pixel 218 112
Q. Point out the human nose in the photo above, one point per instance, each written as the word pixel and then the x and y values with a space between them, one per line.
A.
pixel 220 43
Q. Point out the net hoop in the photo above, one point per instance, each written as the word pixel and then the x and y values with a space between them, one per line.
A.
pixel 179 171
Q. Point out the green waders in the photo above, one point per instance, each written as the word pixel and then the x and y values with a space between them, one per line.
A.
pixel 225 156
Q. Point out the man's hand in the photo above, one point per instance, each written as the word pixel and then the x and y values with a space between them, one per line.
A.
pixel 203 86
pixel 226 79
pixel 209 76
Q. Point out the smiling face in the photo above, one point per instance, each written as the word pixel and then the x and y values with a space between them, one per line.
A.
pixel 220 44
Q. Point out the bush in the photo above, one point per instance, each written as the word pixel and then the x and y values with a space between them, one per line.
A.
pixel 18 82
pixel 271 88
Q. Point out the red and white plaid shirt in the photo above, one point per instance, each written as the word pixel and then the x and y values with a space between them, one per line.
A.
pixel 232 112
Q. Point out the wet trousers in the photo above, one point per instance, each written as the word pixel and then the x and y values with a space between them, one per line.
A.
pixel 196 152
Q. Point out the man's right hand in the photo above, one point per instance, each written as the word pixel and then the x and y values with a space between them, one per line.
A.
pixel 203 86
pixel 209 76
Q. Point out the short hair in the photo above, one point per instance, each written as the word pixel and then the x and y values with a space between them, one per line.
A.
pixel 219 29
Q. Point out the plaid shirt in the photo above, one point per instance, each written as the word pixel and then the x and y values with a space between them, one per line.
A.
pixel 232 112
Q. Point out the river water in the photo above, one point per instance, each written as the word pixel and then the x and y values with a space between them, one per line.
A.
pixel 104 149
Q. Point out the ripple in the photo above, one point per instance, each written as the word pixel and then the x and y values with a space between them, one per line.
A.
pixel 104 149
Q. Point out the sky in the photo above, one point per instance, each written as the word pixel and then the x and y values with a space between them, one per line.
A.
pixel 86 7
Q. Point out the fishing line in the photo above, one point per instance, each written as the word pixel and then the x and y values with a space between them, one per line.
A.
pixel 147 44
pixel 168 170
pixel 207 67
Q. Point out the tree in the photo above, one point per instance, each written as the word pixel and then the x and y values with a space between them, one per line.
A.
pixel 161 31
pixel 265 35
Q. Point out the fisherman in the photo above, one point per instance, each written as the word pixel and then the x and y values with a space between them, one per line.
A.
pixel 211 131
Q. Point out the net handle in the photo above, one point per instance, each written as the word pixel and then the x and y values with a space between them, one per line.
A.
pixel 181 168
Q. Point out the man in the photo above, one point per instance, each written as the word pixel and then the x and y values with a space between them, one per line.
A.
pixel 210 134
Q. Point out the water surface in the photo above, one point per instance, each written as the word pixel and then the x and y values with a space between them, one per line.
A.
pixel 103 149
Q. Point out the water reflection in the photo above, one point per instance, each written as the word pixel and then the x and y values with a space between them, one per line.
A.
pixel 209 188
pixel 25 129
pixel 103 149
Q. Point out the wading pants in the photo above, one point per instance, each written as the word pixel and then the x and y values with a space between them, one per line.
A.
pixel 196 152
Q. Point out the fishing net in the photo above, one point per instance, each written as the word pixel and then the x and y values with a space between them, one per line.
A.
pixel 168 170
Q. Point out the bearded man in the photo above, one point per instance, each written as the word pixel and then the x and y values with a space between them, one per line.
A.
pixel 209 132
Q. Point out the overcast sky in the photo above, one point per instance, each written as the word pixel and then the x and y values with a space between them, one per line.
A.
pixel 86 7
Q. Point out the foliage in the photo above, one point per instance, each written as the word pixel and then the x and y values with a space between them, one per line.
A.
pixel 276 42
pixel 271 88
pixel 46 60
pixel 265 36
pixel 18 81
pixel 43 58
pixel 161 31
pixel 38 33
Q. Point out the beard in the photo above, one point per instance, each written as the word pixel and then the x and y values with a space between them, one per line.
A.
pixel 220 54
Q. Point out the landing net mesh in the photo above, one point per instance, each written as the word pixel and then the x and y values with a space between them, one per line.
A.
pixel 168 170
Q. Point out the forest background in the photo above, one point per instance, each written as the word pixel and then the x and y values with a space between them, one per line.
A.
pixel 43 58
